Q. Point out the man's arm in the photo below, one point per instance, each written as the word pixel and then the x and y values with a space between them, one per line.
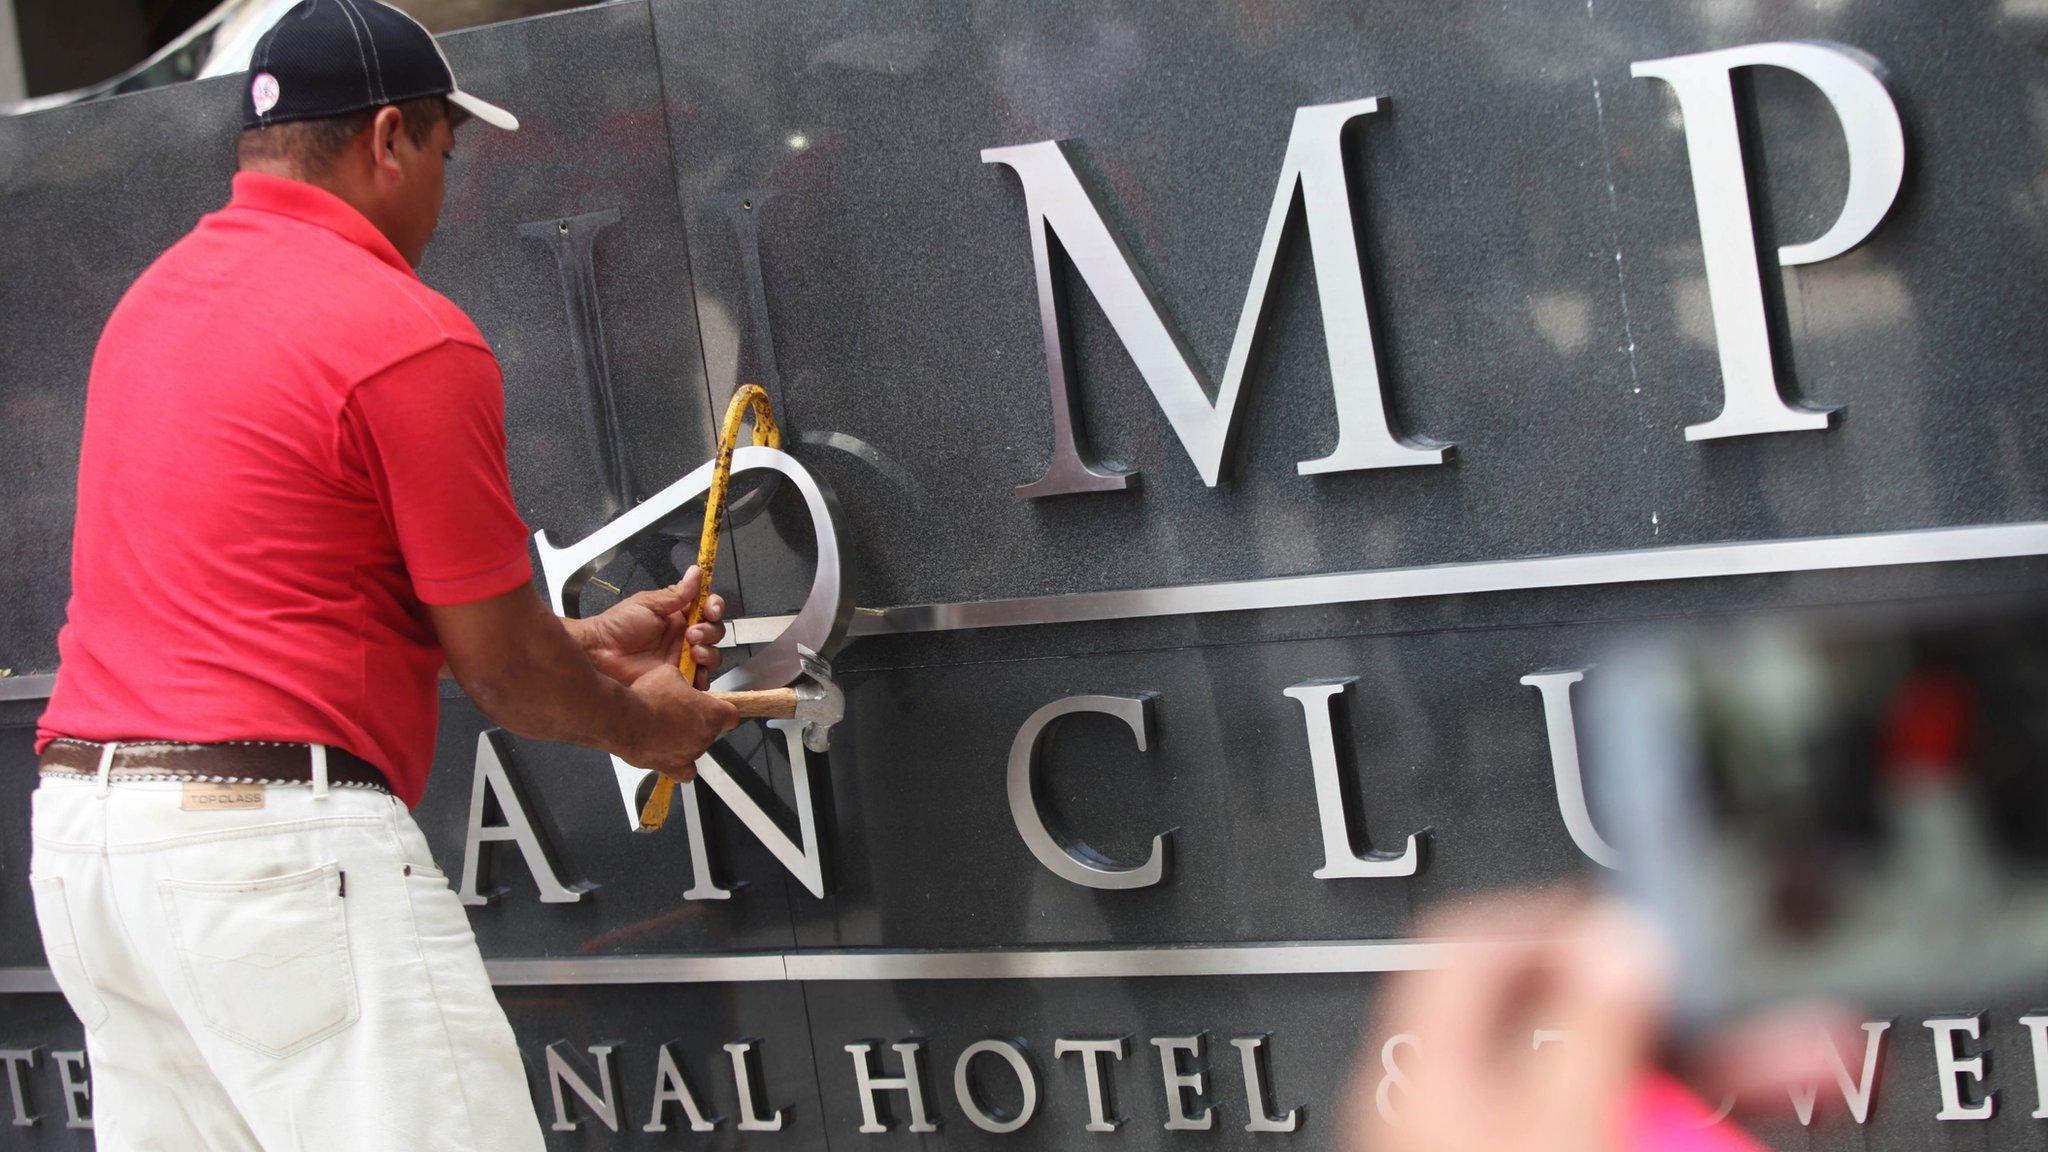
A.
pixel 429 433
pixel 523 669
pixel 647 628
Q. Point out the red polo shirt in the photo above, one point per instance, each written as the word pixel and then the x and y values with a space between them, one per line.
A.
pixel 291 447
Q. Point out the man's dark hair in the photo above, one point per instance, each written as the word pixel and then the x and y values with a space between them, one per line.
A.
pixel 313 145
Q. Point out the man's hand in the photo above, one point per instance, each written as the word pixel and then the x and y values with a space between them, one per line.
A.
pixel 1470 1076
pixel 645 631
pixel 525 670
pixel 683 723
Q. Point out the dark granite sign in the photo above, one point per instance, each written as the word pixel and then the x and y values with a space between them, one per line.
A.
pixel 1444 342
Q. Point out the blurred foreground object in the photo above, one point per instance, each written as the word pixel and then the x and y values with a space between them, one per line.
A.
pixel 1537 1043
pixel 1545 1036
pixel 1840 806
pixel 1665 1116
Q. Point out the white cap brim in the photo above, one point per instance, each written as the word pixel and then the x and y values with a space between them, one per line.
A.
pixel 484 110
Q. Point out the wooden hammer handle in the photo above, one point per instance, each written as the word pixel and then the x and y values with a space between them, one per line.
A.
pixel 766 704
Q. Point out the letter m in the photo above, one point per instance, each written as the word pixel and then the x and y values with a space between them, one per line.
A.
pixel 1311 175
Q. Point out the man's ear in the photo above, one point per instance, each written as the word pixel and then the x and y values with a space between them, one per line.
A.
pixel 384 129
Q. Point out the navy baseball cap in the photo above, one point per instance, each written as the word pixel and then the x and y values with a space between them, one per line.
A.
pixel 333 57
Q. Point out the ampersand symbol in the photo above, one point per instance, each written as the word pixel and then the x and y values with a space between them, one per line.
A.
pixel 1382 1097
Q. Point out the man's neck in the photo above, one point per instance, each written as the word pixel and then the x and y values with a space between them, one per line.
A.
pixel 286 170
pixel 328 182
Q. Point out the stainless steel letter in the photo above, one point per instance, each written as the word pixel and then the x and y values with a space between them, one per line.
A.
pixel 1394 1075
pixel 1949 1070
pixel 1057 203
pixel 573 241
pixel 1556 689
pixel 743 1060
pixel 1013 1055
pixel 1856 1094
pixel 16 1059
pixel 1069 858
pixel 1248 1051
pixel 2037 1028
pixel 803 855
pixel 1341 857
pixel 602 1104
pixel 703 882
pixel 77 1084
pixel 1091 1051
pixel 1751 402
pixel 671 1087
pixel 493 747
pixel 1178 1083
pixel 910 1084
pixel 819 625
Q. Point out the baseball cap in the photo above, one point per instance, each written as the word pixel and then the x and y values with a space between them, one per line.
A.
pixel 333 57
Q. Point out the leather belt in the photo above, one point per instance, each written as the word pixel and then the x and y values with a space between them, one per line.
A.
pixel 238 762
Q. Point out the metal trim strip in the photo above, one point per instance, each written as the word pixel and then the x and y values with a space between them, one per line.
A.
pixel 1682 562
pixel 1274 959
pixel 27 687
pixel 13 980
pixel 726 969
pixel 1262 959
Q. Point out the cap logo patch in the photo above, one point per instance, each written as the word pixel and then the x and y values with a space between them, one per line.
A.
pixel 263 92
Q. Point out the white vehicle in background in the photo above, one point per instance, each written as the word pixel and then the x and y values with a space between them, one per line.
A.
pixel 218 45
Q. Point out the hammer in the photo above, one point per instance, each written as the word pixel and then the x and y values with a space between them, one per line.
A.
pixel 814 699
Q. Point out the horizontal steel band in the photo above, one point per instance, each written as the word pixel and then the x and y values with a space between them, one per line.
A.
pixel 1683 562
pixel 1299 959
pixel 1288 959
pixel 27 687
pixel 26 980
pixel 727 969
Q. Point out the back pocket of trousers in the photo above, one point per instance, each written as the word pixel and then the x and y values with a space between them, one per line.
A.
pixel 267 960
pixel 60 945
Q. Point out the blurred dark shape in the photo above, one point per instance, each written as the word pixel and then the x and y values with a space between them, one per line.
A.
pixel 1928 730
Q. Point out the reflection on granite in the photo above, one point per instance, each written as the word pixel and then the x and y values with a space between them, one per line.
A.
pixel 1534 260
pixel 801 201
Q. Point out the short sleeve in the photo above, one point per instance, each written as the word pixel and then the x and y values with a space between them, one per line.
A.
pixel 431 430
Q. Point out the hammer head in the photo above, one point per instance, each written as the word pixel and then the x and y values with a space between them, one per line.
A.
pixel 819 702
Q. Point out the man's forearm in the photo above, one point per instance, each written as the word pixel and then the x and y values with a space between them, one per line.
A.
pixel 578 630
pixel 576 706
pixel 546 688
pixel 526 670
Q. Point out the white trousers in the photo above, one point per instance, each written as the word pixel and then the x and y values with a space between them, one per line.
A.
pixel 292 977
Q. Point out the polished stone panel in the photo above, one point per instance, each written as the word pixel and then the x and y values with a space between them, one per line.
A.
pixel 1534 267
pixel 45 1023
pixel 1905 334
pixel 115 182
pixel 1309 1053
pixel 21 945
pixel 635 905
pixel 97 191
pixel 801 201
pixel 695 1022
pixel 1437 732
pixel 592 139
pixel 92 194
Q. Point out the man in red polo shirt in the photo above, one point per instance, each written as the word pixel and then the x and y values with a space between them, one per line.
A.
pixel 292 507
